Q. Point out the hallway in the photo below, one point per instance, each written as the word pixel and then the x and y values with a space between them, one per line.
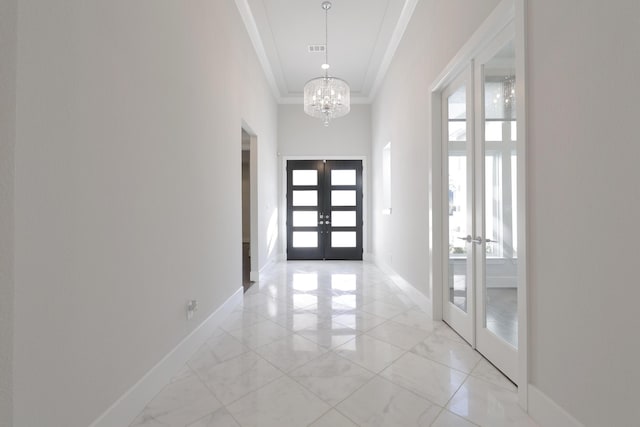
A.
pixel 333 344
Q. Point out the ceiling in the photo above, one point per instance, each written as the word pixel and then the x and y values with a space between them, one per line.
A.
pixel 363 36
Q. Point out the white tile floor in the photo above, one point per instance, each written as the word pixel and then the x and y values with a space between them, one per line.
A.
pixel 333 344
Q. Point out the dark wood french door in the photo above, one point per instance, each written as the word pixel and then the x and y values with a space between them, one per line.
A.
pixel 324 209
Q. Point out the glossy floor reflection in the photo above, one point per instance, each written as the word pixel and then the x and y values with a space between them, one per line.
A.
pixel 333 344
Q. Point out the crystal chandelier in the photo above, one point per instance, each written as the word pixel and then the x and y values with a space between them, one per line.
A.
pixel 326 97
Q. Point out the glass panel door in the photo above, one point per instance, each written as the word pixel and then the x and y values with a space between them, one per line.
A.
pixel 480 227
pixel 496 214
pixel 304 209
pixel 324 209
pixel 343 209
pixel 458 173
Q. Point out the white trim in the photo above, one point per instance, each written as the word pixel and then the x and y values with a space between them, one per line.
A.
pixel 129 405
pixel 256 40
pixel 501 16
pixel 281 98
pixel 423 302
pixel 254 276
pixel 394 42
pixel 548 413
pixel 520 21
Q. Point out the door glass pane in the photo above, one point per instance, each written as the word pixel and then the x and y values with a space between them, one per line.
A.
pixel 457 115
pixel 305 218
pixel 343 239
pixel 501 262
pixel 305 177
pixel 305 239
pixel 493 204
pixel 343 197
pixel 305 198
pixel 457 131
pixel 493 131
pixel 343 177
pixel 514 204
pixel 343 219
pixel 457 195
pixel 458 212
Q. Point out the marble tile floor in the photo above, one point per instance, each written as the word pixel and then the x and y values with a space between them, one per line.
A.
pixel 333 343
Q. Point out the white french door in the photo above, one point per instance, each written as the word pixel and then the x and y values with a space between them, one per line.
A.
pixel 480 218
pixel 459 307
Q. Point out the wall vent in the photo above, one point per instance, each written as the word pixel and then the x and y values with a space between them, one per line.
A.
pixel 316 48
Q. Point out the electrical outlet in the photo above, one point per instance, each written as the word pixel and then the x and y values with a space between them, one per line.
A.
pixel 192 307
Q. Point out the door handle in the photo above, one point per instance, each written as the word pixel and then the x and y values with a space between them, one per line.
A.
pixel 478 240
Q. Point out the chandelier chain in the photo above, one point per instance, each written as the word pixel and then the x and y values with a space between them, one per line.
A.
pixel 326 38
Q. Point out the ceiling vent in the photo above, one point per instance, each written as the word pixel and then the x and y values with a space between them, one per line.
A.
pixel 316 48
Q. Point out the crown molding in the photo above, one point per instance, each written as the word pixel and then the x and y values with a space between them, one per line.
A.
pixel 403 22
pixel 256 40
pixel 288 98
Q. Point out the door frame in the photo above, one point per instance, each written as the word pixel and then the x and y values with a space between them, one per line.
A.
pixel 283 200
pixel 508 12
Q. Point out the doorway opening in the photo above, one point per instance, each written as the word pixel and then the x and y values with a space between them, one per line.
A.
pixel 324 210
pixel 246 210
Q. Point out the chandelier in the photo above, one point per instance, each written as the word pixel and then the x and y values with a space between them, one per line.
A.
pixel 326 97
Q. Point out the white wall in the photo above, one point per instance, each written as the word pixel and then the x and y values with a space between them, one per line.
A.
pixel 127 190
pixel 300 136
pixel 400 114
pixel 8 18
pixel 584 199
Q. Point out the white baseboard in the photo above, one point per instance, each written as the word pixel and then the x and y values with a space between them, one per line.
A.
pixel 548 413
pixel 422 301
pixel 254 276
pixel 129 405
